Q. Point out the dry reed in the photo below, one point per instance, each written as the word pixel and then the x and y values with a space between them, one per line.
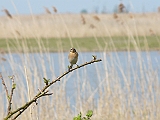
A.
pixel 151 32
pixel 7 13
pixel 96 18
pixel 92 26
pixel 18 33
pixel 54 9
pixel 47 10
pixel 3 59
pixel 159 9
pixel 114 93
pixel 83 20
pixel 121 8
pixel 55 27
pixel 115 16
pixel 131 16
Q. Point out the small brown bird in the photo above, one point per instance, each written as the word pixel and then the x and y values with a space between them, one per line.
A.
pixel 73 57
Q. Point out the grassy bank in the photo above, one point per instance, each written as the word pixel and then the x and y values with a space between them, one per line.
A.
pixel 119 43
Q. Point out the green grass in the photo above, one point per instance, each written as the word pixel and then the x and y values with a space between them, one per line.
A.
pixel 82 44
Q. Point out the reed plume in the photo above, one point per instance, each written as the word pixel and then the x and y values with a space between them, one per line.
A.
pixel 131 16
pixel 3 59
pixel 47 10
pixel 18 33
pixel 151 32
pixel 7 13
pixel 96 18
pixel 115 16
pixel 54 9
pixel 121 8
pixel 92 26
pixel 83 20
pixel 159 9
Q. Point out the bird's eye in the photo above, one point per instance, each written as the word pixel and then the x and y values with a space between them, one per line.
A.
pixel 74 50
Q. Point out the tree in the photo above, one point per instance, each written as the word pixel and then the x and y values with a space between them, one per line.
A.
pixel 84 11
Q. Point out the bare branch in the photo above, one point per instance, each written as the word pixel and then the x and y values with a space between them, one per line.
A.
pixel 10 98
pixel 44 91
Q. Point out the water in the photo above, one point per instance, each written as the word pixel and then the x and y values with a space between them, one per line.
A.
pixel 117 68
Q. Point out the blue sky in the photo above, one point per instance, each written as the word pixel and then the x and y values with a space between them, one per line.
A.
pixel 75 6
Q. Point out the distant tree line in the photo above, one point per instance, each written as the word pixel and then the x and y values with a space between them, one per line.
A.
pixel 120 8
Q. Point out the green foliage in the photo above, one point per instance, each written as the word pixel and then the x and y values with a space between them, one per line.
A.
pixel 78 117
pixel 87 117
pixel 14 86
pixel 11 77
pixel 89 113
pixel 8 97
pixel 94 57
pixel 46 81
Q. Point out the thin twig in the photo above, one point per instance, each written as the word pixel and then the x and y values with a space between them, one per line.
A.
pixel 42 92
pixel 23 108
pixel 5 87
pixel 10 98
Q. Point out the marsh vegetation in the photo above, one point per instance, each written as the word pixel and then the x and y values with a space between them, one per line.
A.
pixel 125 85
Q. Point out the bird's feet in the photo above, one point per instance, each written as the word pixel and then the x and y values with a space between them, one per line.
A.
pixel 77 65
pixel 69 67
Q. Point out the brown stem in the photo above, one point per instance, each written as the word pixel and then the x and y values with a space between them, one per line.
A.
pixel 42 92
pixel 5 87
pixel 10 98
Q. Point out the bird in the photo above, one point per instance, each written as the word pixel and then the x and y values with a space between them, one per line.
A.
pixel 72 57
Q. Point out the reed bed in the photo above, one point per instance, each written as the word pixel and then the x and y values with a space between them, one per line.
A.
pixel 63 25
pixel 113 93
